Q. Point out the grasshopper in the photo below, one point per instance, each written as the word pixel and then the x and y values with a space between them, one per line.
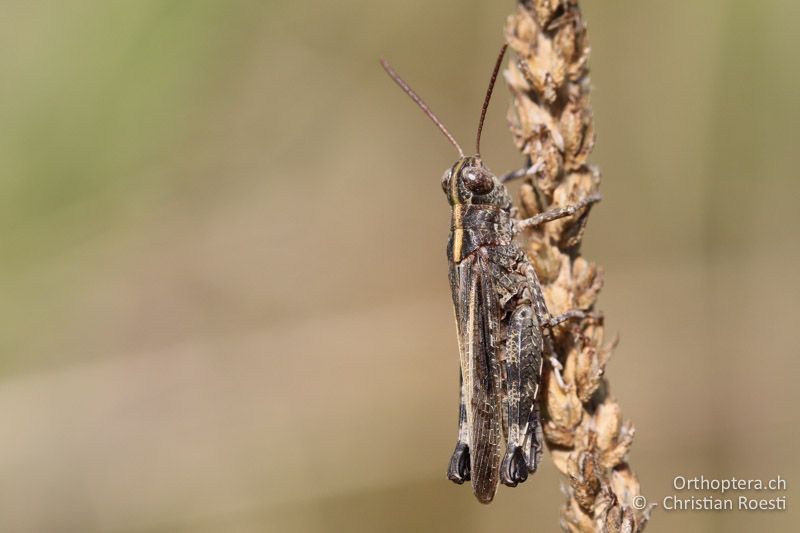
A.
pixel 503 324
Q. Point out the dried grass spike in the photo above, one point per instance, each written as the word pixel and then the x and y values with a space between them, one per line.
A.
pixel 551 123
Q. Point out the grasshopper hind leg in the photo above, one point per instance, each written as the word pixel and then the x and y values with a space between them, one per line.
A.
pixel 459 469
pixel 523 364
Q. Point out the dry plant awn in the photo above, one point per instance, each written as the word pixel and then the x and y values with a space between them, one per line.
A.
pixel 504 327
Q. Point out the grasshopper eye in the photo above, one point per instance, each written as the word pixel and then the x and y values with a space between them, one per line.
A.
pixel 478 180
pixel 446 180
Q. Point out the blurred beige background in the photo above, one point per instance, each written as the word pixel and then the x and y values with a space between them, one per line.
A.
pixel 224 296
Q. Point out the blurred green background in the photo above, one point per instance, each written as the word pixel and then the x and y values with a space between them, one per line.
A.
pixel 224 301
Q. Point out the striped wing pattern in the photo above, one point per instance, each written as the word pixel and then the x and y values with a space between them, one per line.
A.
pixel 477 310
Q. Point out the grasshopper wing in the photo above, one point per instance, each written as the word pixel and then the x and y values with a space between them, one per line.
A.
pixel 477 318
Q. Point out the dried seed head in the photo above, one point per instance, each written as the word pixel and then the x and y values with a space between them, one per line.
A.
pixel 551 122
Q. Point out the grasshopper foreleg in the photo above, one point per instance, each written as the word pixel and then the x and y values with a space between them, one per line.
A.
pixel 559 212
pixel 522 172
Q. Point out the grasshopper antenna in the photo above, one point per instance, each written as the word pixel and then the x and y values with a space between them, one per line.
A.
pixel 489 97
pixel 422 105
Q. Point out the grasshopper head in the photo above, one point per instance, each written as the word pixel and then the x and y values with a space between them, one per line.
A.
pixel 469 182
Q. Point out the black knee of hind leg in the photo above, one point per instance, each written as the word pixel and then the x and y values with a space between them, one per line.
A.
pixel 458 471
pixel 514 469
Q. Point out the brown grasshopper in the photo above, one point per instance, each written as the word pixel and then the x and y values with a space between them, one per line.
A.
pixel 501 318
